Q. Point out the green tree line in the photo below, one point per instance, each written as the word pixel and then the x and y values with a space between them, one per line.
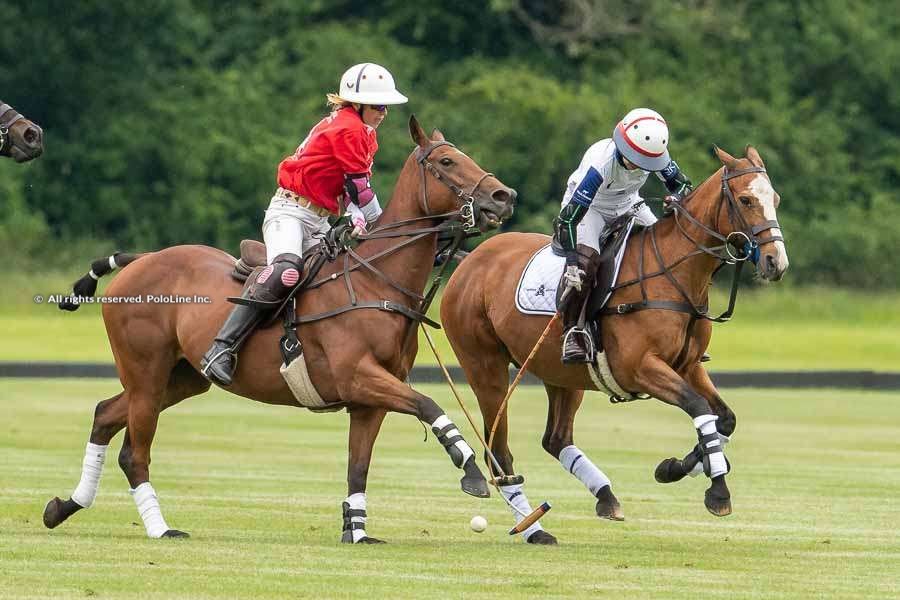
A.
pixel 165 121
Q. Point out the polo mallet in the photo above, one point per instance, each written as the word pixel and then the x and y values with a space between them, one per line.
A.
pixel 503 479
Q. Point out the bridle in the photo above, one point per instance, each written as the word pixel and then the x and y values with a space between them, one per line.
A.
pixel 468 211
pixel 728 252
pixel 459 224
pixel 745 233
pixel 6 125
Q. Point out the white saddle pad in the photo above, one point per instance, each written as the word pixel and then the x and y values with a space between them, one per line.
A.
pixel 536 292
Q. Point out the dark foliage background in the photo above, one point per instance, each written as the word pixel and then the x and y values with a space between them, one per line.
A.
pixel 165 120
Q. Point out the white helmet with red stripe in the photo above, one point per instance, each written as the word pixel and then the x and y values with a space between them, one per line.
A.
pixel 368 83
pixel 643 138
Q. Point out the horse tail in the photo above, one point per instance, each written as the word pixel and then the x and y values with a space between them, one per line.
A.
pixel 86 287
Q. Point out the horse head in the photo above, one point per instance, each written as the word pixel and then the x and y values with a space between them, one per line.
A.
pixel 464 182
pixel 19 138
pixel 751 203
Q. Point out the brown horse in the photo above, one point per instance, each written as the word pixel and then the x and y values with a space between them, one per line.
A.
pixel 653 339
pixel 358 359
pixel 21 139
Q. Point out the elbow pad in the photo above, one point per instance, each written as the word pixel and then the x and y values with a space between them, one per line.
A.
pixel 358 189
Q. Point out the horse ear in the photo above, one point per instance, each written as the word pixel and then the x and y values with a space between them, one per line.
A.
pixel 725 158
pixel 437 136
pixel 751 153
pixel 417 133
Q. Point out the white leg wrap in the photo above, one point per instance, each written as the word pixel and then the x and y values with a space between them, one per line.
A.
pixel 357 501
pixel 148 507
pixel 575 462
pixel 91 469
pixel 463 447
pixel 517 498
pixel 706 425
pixel 112 263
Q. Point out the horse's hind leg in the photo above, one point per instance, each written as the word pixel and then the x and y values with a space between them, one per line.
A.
pixel 659 380
pixel 487 370
pixel 558 442
pixel 110 417
pixel 673 469
pixel 147 398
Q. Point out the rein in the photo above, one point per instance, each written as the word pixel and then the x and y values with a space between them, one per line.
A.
pixel 724 253
pixel 467 216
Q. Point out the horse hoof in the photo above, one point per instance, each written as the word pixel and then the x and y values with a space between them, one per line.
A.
pixel 174 533
pixel 52 513
pixel 669 470
pixel 717 505
pixel 608 505
pixel 58 510
pixel 475 486
pixel 542 538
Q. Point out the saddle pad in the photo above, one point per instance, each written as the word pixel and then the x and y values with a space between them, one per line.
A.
pixel 536 292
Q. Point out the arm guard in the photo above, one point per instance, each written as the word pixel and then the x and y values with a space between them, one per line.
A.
pixel 675 180
pixel 566 225
pixel 358 189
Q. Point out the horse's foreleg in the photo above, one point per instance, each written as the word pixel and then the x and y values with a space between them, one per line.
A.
pixel 374 387
pixel 656 378
pixel 365 423
pixel 673 469
pixel 559 443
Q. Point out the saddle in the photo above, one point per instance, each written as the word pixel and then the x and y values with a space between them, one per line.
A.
pixel 601 273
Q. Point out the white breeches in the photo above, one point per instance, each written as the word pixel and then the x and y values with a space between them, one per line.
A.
pixel 289 227
pixel 594 222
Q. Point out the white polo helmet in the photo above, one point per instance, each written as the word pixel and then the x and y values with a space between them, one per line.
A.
pixel 642 137
pixel 368 83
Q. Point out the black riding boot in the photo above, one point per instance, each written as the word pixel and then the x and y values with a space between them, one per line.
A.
pixel 220 360
pixel 578 346
pixel 267 291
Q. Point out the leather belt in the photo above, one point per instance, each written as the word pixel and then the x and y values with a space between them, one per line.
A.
pixel 286 194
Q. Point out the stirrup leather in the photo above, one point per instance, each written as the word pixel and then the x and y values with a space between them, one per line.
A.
pixel 587 343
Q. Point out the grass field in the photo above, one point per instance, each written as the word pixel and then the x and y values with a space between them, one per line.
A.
pixel 775 328
pixel 815 485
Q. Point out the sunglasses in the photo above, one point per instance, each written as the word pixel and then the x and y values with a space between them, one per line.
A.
pixel 378 107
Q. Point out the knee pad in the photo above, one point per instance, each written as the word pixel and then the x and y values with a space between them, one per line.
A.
pixel 278 279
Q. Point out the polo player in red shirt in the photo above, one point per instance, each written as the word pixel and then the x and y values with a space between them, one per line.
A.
pixel 329 172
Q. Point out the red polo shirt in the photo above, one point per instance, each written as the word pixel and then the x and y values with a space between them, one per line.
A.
pixel 339 145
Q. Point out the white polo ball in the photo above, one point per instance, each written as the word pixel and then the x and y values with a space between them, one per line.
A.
pixel 478 523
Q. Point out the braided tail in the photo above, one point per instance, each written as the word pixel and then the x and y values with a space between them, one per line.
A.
pixel 86 287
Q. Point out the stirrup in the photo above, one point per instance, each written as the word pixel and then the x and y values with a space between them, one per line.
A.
pixel 589 355
pixel 215 358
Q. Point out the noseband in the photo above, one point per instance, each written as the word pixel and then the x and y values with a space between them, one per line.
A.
pixel 468 211
pixel 8 117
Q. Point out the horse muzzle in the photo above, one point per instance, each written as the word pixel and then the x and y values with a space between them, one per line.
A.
pixel 772 266
pixel 496 208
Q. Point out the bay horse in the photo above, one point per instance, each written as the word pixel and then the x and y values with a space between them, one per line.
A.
pixel 359 358
pixel 20 139
pixel 653 337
